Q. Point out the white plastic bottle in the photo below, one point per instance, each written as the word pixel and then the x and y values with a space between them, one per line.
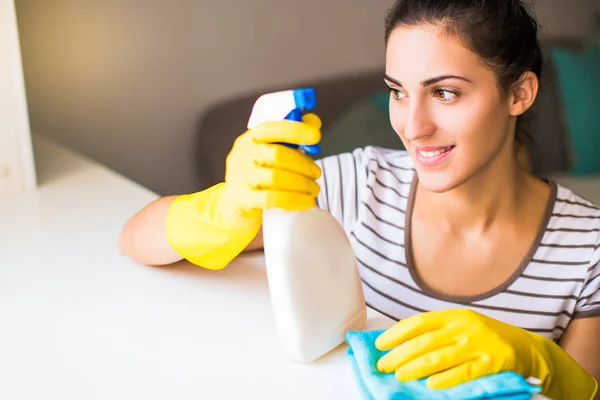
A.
pixel 315 288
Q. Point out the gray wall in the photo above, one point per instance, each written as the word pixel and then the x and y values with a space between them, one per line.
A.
pixel 126 81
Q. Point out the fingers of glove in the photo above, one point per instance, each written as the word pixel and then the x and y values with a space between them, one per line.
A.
pixel 415 348
pixel 261 178
pixel 312 119
pixel 285 158
pixel 289 201
pixel 407 329
pixel 434 362
pixel 286 131
pixel 460 374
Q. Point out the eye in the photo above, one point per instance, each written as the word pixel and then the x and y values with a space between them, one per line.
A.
pixel 396 94
pixel 445 94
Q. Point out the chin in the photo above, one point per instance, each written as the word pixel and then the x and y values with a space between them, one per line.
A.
pixel 437 182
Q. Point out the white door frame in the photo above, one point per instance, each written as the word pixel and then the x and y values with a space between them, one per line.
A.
pixel 17 166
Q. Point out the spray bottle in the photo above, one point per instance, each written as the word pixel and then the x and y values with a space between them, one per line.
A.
pixel 315 289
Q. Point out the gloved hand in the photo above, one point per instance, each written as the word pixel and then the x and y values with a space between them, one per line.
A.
pixel 212 227
pixel 451 347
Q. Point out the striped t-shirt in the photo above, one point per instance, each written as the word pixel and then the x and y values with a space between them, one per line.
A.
pixel 370 192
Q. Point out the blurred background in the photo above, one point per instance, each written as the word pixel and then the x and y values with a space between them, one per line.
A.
pixel 158 90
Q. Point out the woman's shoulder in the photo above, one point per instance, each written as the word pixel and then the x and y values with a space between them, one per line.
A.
pixel 569 202
pixel 388 166
pixel 573 213
pixel 574 231
pixel 372 159
pixel 388 156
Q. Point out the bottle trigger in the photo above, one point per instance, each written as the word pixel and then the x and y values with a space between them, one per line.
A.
pixel 296 115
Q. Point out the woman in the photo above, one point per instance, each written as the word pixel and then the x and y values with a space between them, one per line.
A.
pixel 486 267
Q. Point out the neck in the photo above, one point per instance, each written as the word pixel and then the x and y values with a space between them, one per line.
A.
pixel 495 195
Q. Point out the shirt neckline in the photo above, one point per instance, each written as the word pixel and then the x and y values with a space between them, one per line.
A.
pixel 489 293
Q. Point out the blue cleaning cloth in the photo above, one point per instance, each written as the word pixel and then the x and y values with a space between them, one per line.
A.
pixel 379 386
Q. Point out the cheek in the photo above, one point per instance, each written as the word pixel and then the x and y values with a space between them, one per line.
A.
pixel 474 120
pixel 463 122
pixel 455 121
pixel 481 122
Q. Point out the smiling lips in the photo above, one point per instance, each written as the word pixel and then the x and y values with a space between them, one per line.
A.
pixel 432 156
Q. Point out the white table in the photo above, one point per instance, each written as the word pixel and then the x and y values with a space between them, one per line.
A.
pixel 79 321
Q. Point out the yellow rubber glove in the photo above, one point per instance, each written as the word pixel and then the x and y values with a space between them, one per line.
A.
pixel 451 347
pixel 210 228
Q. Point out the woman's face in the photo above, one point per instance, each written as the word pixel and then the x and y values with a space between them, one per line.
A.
pixel 446 107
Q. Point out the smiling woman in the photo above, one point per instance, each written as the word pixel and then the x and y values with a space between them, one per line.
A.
pixel 486 267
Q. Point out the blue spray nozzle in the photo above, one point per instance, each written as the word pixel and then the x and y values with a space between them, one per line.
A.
pixel 295 115
pixel 305 99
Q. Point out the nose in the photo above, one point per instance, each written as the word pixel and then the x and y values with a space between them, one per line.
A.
pixel 419 123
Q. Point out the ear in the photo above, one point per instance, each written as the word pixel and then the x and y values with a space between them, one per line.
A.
pixel 524 93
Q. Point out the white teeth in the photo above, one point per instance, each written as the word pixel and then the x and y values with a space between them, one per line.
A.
pixel 431 154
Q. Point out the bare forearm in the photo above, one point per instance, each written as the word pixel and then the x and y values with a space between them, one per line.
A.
pixel 143 237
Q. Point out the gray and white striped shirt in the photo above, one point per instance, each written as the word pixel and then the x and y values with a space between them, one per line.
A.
pixel 370 192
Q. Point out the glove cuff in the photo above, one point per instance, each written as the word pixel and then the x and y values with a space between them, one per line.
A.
pixel 564 377
pixel 198 230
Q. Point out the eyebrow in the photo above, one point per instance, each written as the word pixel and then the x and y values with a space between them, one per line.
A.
pixel 430 81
